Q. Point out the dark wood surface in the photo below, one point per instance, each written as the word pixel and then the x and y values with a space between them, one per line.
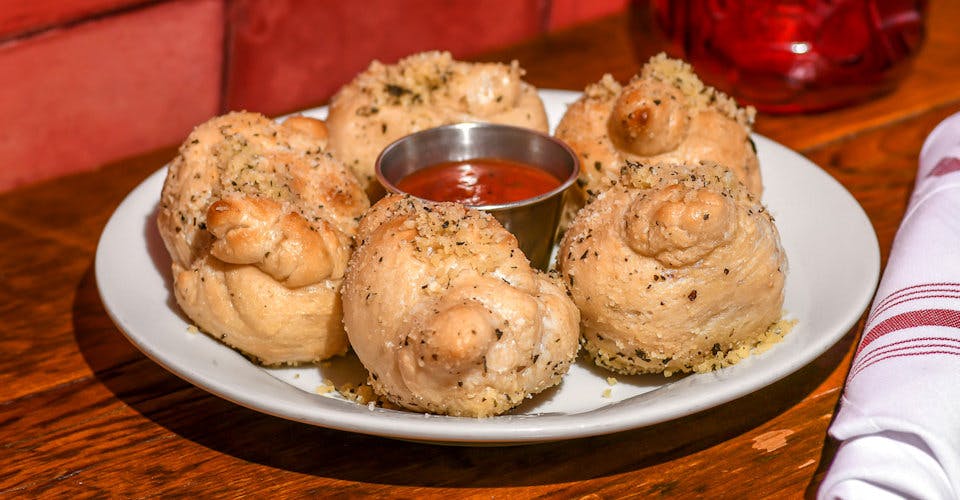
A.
pixel 83 413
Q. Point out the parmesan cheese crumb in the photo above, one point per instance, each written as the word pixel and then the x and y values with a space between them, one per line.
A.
pixel 681 75
pixel 768 339
pixel 326 387
pixel 193 329
pixel 362 394
pixel 612 380
pixel 607 392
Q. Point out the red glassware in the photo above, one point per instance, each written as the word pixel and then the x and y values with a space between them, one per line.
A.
pixel 794 55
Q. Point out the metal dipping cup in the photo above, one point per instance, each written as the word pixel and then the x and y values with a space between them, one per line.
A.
pixel 534 221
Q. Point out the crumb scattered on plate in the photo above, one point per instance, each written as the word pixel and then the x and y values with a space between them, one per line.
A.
pixel 326 387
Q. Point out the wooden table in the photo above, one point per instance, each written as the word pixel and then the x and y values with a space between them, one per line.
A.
pixel 82 412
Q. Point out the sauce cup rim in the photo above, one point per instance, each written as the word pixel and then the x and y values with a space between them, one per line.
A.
pixel 565 184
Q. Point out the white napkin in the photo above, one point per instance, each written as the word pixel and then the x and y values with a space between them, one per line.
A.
pixel 899 418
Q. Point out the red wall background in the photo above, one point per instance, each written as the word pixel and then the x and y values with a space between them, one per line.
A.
pixel 88 82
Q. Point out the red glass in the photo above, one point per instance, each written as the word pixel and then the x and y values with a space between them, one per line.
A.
pixel 795 55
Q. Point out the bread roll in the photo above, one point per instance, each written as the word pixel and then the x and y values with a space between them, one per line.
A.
pixel 676 268
pixel 665 114
pixel 259 220
pixel 425 90
pixel 447 315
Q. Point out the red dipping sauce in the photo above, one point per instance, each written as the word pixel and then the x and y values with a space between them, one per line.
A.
pixel 478 182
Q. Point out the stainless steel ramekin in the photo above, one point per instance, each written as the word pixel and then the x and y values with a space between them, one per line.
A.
pixel 533 221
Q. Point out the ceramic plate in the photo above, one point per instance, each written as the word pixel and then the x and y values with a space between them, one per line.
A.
pixel 828 287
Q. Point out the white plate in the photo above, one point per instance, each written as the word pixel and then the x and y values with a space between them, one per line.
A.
pixel 834 266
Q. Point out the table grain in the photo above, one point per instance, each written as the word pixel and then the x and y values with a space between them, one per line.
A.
pixel 84 414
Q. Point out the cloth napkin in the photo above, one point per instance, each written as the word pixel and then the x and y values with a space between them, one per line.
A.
pixel 899 417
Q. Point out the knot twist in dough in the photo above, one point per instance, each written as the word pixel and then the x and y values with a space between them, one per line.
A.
pixel 649 118
pixel 679 226
pixel 257 231
pixel 453 338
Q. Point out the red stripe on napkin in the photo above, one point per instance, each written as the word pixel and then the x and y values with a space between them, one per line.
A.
pixel 905 355
pixel 903 292
pixel 889 305
pixel 912 319
pixel 905 347
pixel 945 166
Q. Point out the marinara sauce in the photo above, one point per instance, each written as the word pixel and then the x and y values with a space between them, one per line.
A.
pixel 478 182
